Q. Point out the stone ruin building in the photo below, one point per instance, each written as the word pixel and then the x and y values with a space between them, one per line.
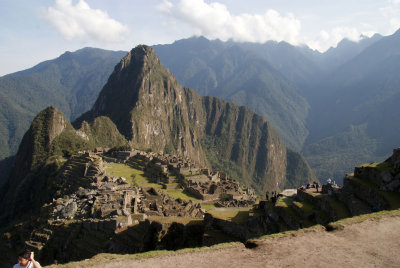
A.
pixel 94 211
pixel 199 182
pixel 90 193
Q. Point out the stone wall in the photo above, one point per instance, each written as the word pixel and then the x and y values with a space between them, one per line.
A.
pixel 230 228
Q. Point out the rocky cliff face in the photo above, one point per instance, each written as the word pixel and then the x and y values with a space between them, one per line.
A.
pixel 148 106
pixel 153 111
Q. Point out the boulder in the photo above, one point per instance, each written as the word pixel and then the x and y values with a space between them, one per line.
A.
pixel 386 176
pixel 69 210
pixel 82 192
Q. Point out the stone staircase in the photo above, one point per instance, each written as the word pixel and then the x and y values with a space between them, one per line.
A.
pixel 38 238
pixel 78 169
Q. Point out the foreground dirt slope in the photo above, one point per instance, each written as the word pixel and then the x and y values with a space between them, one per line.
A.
pixel 374 242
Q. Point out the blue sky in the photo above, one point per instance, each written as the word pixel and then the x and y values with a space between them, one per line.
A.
pixel 34 31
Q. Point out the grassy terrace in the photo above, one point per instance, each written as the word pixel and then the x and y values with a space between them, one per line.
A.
pixel 286 204
pixel 238 215
pixel 393 198
pixel 208 207
pixel 178 193
pixel 381 166
pixel 304 206
pixel 340 209
pixel 133 176
pixel 136 177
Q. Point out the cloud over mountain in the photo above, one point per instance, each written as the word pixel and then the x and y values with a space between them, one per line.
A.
pixel 81 21
pixel 328 38
pixel 213 20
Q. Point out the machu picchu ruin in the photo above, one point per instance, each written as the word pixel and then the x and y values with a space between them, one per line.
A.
pixel 90 198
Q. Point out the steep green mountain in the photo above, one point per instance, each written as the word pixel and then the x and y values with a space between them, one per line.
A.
pixel 353 115
pixel 242 73
pixel 70 82
pixel 153 111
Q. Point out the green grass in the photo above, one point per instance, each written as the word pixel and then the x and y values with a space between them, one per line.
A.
pixel 341 210
pixel 304 206
pixel 381 166
pixel 238 215
pixel 122 170
pixel 208 207
pixel 286 204
pixel 178 193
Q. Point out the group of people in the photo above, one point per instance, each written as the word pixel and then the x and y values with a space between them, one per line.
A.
pixel 274 196
pixel 314 185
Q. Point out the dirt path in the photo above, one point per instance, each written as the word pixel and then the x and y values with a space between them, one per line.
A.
pixel 372 243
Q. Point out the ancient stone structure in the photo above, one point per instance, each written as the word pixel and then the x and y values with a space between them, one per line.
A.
pixel 223 189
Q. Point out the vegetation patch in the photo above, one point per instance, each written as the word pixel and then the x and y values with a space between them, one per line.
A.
pixel 304 206
pixel 381 166
pixel 341 210
pixel 238 215
pixel 208 207
pixel 133 176
pixel 179 193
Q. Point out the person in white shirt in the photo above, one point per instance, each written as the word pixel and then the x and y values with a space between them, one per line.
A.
pixel 26 259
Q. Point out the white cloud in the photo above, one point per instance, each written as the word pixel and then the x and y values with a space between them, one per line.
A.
pixel 325 40
pixel 213 20
pixel 391 12
pixel 81 21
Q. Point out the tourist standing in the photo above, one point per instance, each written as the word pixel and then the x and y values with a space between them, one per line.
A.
pixel 26 259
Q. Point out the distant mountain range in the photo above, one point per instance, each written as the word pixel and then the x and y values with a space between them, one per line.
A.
pixel 338 108
pixel 70 82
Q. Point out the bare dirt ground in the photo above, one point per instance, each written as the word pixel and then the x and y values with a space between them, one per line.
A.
pixel 371 243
